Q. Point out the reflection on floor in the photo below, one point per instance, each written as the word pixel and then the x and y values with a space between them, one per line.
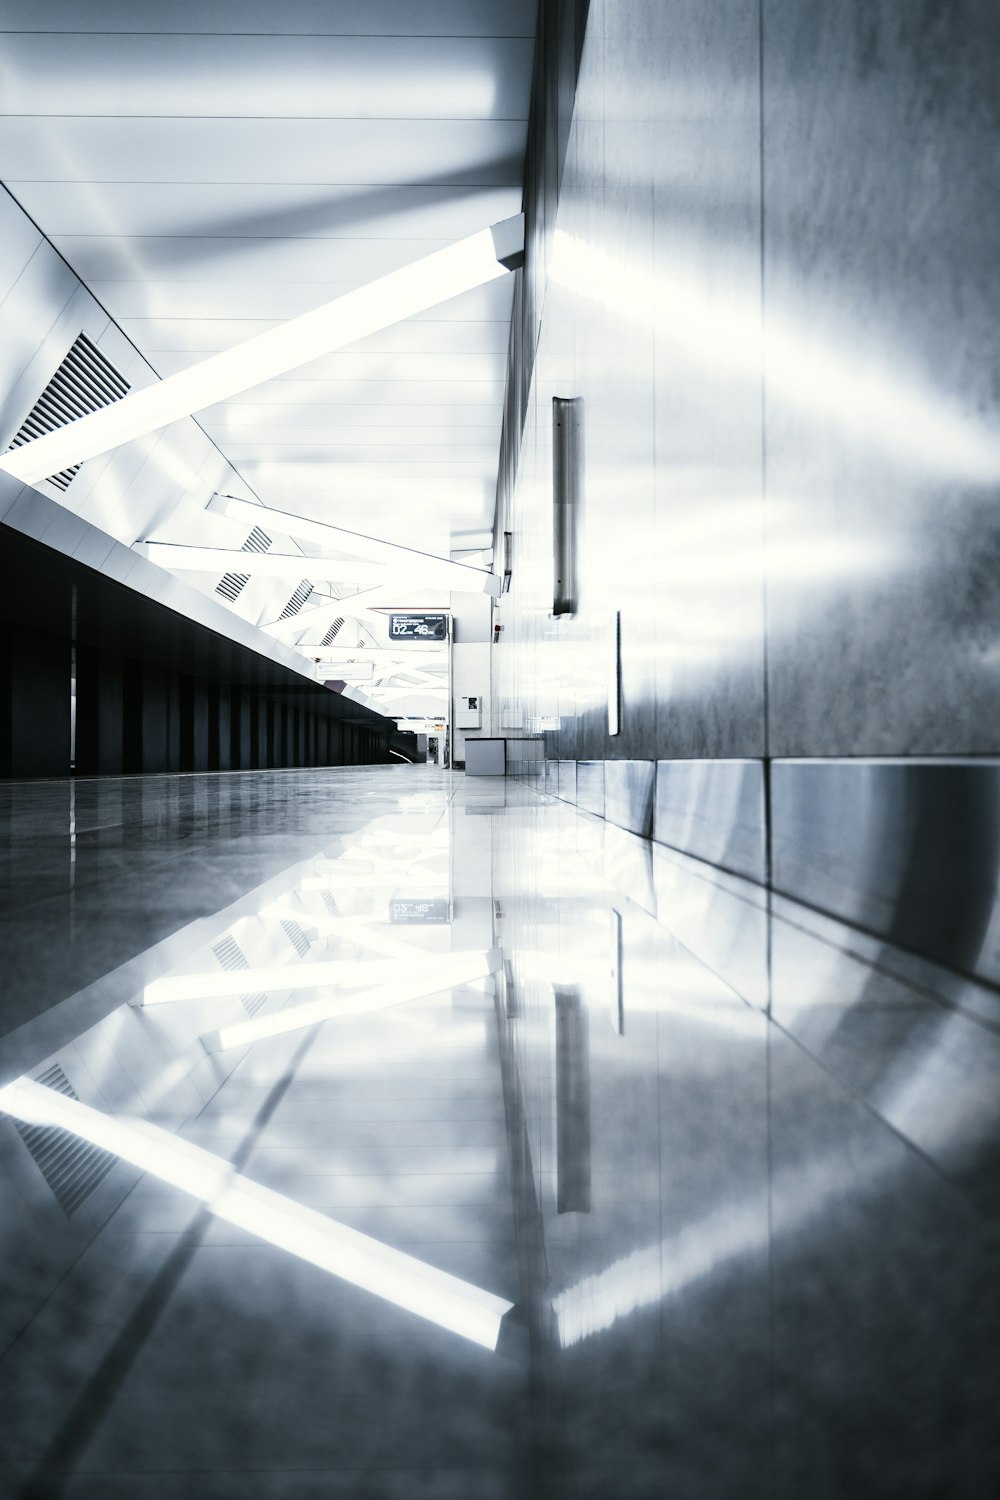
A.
pixel 381 1133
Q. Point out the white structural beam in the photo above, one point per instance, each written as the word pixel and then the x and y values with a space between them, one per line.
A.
pixel 435 278
pixel 290 565
pixel 364 607
pixel 335 539
pixel 456 968
pixel 457 1305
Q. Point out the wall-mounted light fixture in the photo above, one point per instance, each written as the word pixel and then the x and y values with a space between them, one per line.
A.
pixel 567 490
pixel 615 674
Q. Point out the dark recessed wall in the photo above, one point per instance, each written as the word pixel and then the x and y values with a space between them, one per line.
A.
pixel 154 691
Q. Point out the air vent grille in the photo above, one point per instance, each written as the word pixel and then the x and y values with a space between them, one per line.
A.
pixel 328 639
pixel 72 1167
pixel 83 383
pixel 231 585
pixel 231 956
pixel 296 937
pixel 297 600
pixel 330 902
pixel 229 953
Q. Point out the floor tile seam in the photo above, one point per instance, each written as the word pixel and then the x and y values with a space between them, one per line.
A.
pixel 87 1411
pixel 865 1104
pixel 857 928
pixel 943 1002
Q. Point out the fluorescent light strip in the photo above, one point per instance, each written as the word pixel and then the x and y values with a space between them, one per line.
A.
pixel 435 278
pixel 409 1283
pixel 343 973
pixel 460 969
pixel 415 564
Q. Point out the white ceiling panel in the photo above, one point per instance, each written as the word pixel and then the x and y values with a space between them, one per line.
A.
pixel 420 368
pixel 234 419
pixel 293 391
pixel 280 77
pixel 279 300
pixel 264 18
pixel 460 339
pixel 338 450
pixel 412 153
pixel 345 263
pixel 249 210
pixel 212 168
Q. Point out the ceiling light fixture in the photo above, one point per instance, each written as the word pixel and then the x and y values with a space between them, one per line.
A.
pixel 436 278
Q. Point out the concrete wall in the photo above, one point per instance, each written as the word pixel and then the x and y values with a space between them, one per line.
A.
pixel 769 271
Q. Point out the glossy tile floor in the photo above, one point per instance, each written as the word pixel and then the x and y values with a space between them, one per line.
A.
pixel 580 1173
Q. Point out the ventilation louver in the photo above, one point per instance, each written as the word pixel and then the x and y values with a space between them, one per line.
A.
pixel 231 585
pixel 330 902
pixel 296 937
pixel 230 956
pixel 83 383
pixel 297 600
pixel 328 639
pixel 72 1167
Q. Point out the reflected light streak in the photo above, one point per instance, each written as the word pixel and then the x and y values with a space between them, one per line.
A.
pixel 647 1276
pixel 357 930
pixel 344 973
pixel 445 973
pixel 854 389
pixel 409 1283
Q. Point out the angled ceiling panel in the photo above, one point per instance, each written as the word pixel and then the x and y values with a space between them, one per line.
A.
pixel 213 170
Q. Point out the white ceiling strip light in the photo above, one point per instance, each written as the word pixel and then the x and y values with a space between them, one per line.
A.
pixel 451 1303
pixel 444 975
pixel 417 565
pixel 413 289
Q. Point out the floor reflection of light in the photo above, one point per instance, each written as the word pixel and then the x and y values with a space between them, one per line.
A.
pixel 652 1273
pixel 344 973
pixel 413 984
pixel 409 1283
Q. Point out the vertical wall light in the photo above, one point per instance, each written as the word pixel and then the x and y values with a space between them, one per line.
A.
pixel 567 491
pixel 615 673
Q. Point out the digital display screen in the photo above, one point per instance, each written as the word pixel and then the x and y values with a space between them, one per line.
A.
pixel 418 627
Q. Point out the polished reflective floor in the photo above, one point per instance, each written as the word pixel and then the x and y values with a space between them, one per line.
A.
pixel 380 1133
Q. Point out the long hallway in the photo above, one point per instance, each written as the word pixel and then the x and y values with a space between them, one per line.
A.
pixel 586 1170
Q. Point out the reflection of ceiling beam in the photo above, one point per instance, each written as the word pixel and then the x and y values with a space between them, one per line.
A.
pixel 416 565
pixel 447 972
pixel 339 973
pixel 457 1305
pixel 435 278
pixel 333 656
pixel 388 694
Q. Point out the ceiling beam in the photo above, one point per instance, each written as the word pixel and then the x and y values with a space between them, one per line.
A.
pixel 423 565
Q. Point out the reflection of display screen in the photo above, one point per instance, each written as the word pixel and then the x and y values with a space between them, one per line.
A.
pixel 416 910
pixel 418 627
